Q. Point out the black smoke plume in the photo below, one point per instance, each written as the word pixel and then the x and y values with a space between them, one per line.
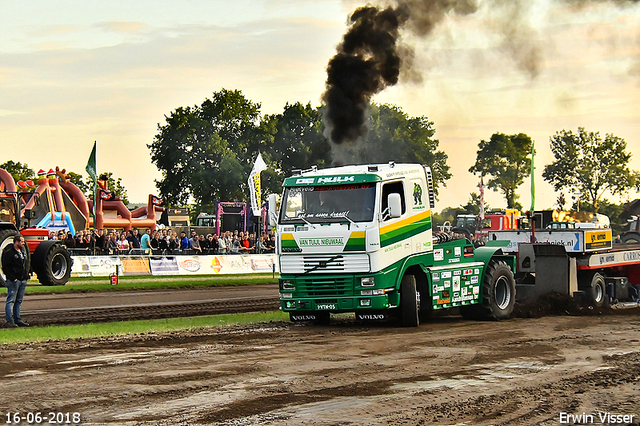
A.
pixel 367 61
pixel 372 56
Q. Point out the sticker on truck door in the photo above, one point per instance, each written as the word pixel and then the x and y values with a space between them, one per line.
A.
pixel 438 254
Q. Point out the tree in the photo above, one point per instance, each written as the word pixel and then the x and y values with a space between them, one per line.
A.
pixel 473 205
pixel 396 136
pixel 448 214
pixel 506 160
pixel 589 165
pixel 295 142
pixel 206 152
pixel 76 179
pixel 561 201
pixel 18 170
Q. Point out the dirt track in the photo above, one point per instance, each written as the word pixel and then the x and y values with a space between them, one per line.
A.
pixel 447 372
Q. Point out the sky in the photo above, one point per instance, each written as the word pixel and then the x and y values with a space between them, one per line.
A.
pixel 73 72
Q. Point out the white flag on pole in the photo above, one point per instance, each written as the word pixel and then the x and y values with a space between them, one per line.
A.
pixel 254 184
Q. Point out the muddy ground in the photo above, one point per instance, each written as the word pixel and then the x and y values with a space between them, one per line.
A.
pixel 448 371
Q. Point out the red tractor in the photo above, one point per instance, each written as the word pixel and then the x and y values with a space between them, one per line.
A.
pixel 49 259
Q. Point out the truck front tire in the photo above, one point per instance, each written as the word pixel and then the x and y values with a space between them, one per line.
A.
pixel 409 303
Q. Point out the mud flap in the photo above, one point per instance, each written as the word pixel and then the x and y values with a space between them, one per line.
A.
pixel 304 316
pixel 371 316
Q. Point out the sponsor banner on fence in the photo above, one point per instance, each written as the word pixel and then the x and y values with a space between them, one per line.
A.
pixel 86 266
pixel 91 266
pixel 227 264
pixel 164 265
pixel 136 265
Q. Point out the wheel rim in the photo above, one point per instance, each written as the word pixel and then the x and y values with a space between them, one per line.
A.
pixel 59 266
pixel 502 292
pixel 598 294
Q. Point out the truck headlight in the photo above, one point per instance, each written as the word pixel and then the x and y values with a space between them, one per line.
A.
pixel 290 304
pixel 286 296
pixel 367 281
pixel 365 302
pixel 288 285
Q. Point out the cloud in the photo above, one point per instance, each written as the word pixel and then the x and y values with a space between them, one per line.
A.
pixel 126 27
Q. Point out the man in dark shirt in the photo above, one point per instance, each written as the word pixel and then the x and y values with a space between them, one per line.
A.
pixel 134 242
pixel 15 265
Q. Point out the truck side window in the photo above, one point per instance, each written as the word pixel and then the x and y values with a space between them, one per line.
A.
pixel 390 188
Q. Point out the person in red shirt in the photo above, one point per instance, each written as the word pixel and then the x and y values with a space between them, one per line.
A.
pixel 245 244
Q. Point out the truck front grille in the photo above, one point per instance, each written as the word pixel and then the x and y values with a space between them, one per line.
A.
pixel 322 264
pixel 322 286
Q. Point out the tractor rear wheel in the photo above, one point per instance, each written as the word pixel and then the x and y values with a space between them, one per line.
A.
pixel 6 238
pixel 631 238
pixel 499 290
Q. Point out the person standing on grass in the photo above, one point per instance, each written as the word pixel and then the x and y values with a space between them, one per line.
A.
pixel 15 265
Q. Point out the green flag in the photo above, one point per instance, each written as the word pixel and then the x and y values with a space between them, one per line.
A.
pixel 91 164
pixel 533 180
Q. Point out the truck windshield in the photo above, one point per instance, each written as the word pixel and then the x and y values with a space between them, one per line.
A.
pixel 317 204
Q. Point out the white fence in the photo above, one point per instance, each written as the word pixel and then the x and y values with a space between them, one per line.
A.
pixel 100 266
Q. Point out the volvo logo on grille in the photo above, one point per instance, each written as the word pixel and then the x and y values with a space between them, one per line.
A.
pixel 323 264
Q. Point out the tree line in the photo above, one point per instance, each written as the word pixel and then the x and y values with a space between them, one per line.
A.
pixel 205 154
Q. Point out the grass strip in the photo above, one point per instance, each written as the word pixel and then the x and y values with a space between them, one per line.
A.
pixel 120 328
pixel 130 283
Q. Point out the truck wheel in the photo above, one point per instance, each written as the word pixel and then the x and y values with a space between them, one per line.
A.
pixel 409 302
pixel 631 238
pixel 52 263
pixel 6 238
pixel 499 290
pixel 597 293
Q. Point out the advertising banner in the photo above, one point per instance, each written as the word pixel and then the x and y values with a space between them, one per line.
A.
pixel 164 265
pixel 136 265
pixel 93 266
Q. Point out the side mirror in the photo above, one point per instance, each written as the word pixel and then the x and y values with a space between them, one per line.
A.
pixel 395 205
pixel 273 210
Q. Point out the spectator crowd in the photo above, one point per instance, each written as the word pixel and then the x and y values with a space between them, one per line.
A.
pixel 163 242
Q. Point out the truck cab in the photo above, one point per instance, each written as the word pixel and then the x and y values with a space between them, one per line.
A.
pixel 360 239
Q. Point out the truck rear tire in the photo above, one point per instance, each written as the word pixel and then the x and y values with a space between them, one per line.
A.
pixel 52 263
pixel 499 290
pixel 409 302
pixel 597 291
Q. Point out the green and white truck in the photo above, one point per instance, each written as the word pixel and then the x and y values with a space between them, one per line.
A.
pixel 360 239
